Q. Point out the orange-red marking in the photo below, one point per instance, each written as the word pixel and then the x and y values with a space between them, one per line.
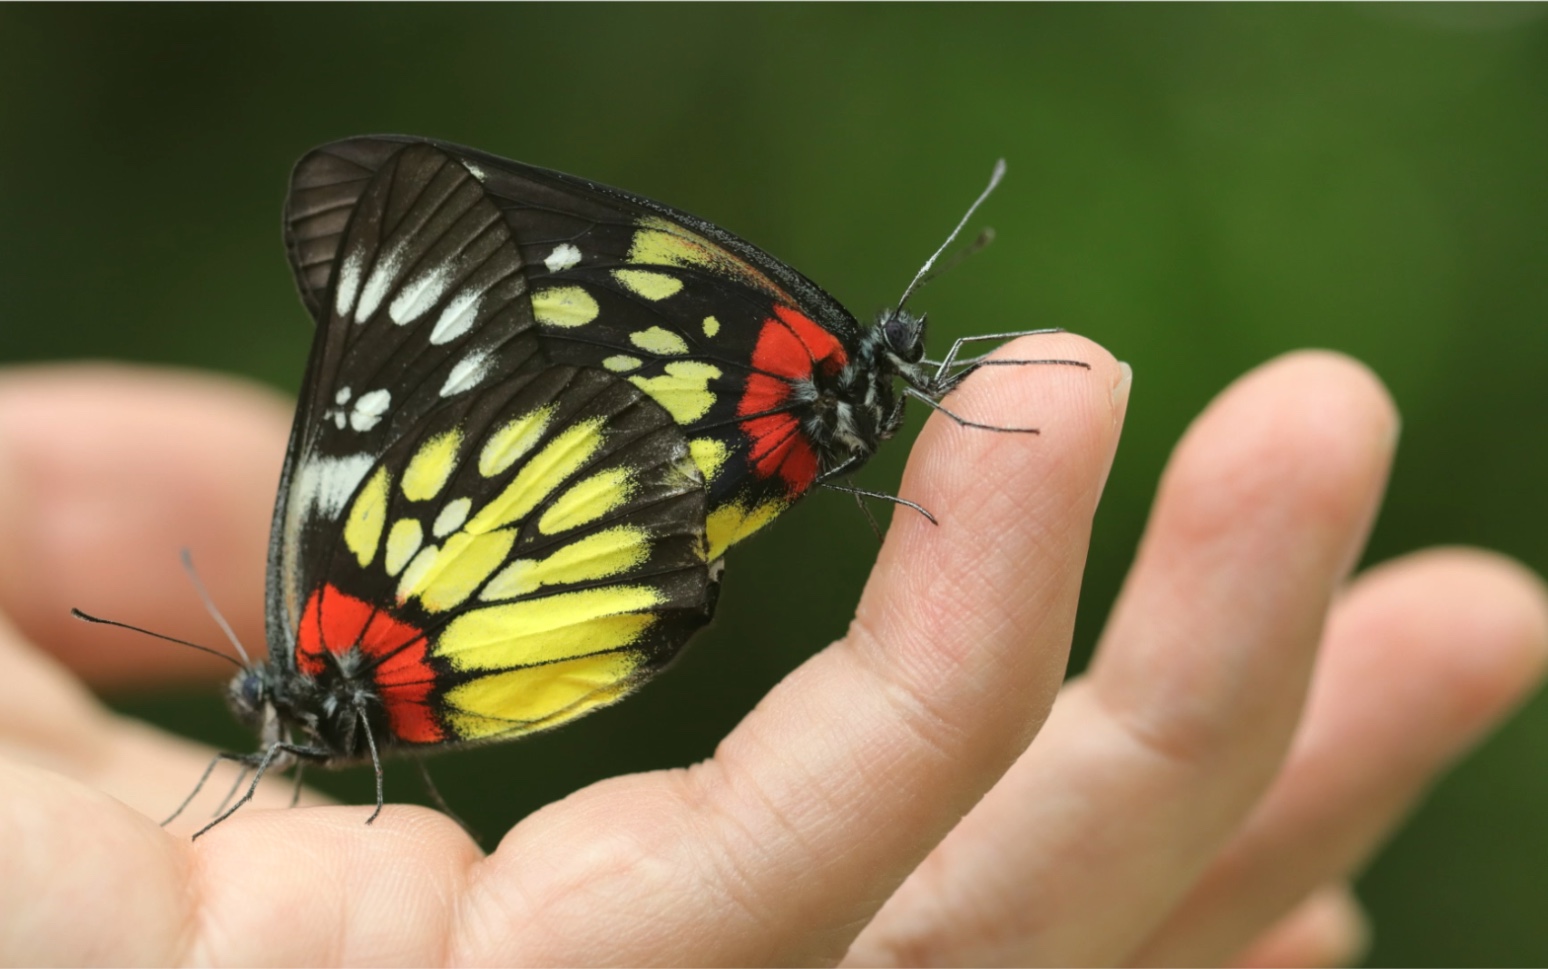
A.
pixel 334 622
pixel 790 348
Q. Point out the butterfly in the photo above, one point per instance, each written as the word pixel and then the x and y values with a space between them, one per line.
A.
pixel 537 413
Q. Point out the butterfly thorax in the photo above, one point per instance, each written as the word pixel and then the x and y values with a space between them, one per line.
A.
pixel 853 411
pixel 325 710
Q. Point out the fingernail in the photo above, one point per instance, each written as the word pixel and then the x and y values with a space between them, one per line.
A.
pixel 1120 398
pixel 1120 390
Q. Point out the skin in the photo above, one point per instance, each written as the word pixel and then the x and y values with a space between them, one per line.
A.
pixel 926 790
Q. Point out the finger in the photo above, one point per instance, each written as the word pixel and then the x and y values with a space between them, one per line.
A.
pixel 49 720
pixel 829 793
pixel 88 881
pixel 106 473
pixel 1150 762
pixel 1328 928
pixel 1423 657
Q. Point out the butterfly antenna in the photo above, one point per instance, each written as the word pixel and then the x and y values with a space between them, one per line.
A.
pixel 87 617
pixel 211 608
pixel 924 271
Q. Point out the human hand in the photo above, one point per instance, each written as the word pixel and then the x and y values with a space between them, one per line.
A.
pixel 1253 725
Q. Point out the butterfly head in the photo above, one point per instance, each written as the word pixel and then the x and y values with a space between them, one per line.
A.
pixel 250 695
pixel 902 336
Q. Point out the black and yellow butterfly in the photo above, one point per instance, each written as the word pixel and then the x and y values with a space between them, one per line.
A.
pixel 537 413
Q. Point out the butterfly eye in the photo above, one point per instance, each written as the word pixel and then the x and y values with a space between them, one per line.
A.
pixel 904 334
pixel 247 695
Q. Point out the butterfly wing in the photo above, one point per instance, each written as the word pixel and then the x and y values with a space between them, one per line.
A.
pixel 506 540
pixel 718 332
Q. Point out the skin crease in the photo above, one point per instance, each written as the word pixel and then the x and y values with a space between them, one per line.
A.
pixel 927 790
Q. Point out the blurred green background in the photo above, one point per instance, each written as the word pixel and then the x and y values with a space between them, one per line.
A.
pixel 1199 188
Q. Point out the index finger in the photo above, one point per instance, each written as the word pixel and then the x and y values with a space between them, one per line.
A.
pixel 106 473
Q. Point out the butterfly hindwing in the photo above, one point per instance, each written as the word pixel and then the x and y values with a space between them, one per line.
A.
pixel 521 556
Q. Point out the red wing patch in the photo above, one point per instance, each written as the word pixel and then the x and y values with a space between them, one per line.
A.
pixel 790 349
pixel 335 622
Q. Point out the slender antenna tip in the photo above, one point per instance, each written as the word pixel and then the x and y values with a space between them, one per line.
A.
pixel 924 271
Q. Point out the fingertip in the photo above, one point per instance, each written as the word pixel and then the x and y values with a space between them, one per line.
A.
pixel 1329 928
pixel 1472 621
pixel 1314 423
pixel 1014 509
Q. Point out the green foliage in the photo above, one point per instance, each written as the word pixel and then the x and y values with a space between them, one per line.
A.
pixel 1199 188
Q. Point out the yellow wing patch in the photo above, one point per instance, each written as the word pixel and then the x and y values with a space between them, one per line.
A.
pixel 403 542
pixel 683 390
pixel 431 466
pixel 517 701
pixel 443 579
pixel 660 242
pixel 548 629
pixel 648 285
pixel 733 522
pixel 564 306
pixel 587 500
pixel 507 445
pixel 600 556
pixel 709 454
pixel 659 340
pixel 560 458
pixel 367 518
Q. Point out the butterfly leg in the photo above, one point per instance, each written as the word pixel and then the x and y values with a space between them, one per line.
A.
pixel 865 510
pixel 279 751
pixel 934 404
pixel 236 785
pixel 204 778
pixel 295 795
pixel 376 760
pixel 440 802
pixel 957 345
pixel 861 494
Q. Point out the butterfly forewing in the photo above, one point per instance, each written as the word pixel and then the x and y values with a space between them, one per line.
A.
pixel 711 327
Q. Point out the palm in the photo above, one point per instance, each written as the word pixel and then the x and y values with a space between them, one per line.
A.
pixel 1183 802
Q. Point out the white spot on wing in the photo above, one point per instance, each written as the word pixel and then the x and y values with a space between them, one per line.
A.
pixel 348 284
pixel 457 318
pixel 369 408
pixel 381 280
pixel 451 517
pixel 342 397
pixel 563 257
pixel 467 373
pixel 477 172
pixel 417 297
pixel 325 484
